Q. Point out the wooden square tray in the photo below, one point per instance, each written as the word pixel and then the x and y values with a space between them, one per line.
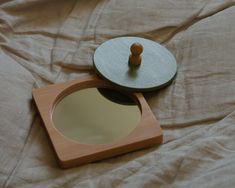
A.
pixel 71 153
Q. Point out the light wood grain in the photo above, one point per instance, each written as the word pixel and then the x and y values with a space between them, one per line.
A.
pixel 71 153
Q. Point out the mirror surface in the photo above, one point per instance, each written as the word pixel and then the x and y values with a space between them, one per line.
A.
pixel 96 116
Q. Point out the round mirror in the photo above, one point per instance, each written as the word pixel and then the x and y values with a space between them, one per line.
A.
pixel 96 116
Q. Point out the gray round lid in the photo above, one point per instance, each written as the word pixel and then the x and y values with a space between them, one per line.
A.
pixel 157 68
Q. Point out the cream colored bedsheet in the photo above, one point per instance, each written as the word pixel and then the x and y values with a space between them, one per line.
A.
pixel 44 42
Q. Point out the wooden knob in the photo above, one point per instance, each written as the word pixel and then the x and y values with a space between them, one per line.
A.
pixel 135 57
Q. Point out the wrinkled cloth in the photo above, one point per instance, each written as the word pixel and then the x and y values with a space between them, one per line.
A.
pixel 51 41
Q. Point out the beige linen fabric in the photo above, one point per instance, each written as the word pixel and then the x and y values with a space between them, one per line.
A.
pixel 45 41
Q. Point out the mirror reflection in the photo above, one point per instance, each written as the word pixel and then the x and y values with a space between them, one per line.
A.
pixel 96 116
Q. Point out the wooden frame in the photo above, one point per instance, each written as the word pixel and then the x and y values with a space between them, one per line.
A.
pixel 71 153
